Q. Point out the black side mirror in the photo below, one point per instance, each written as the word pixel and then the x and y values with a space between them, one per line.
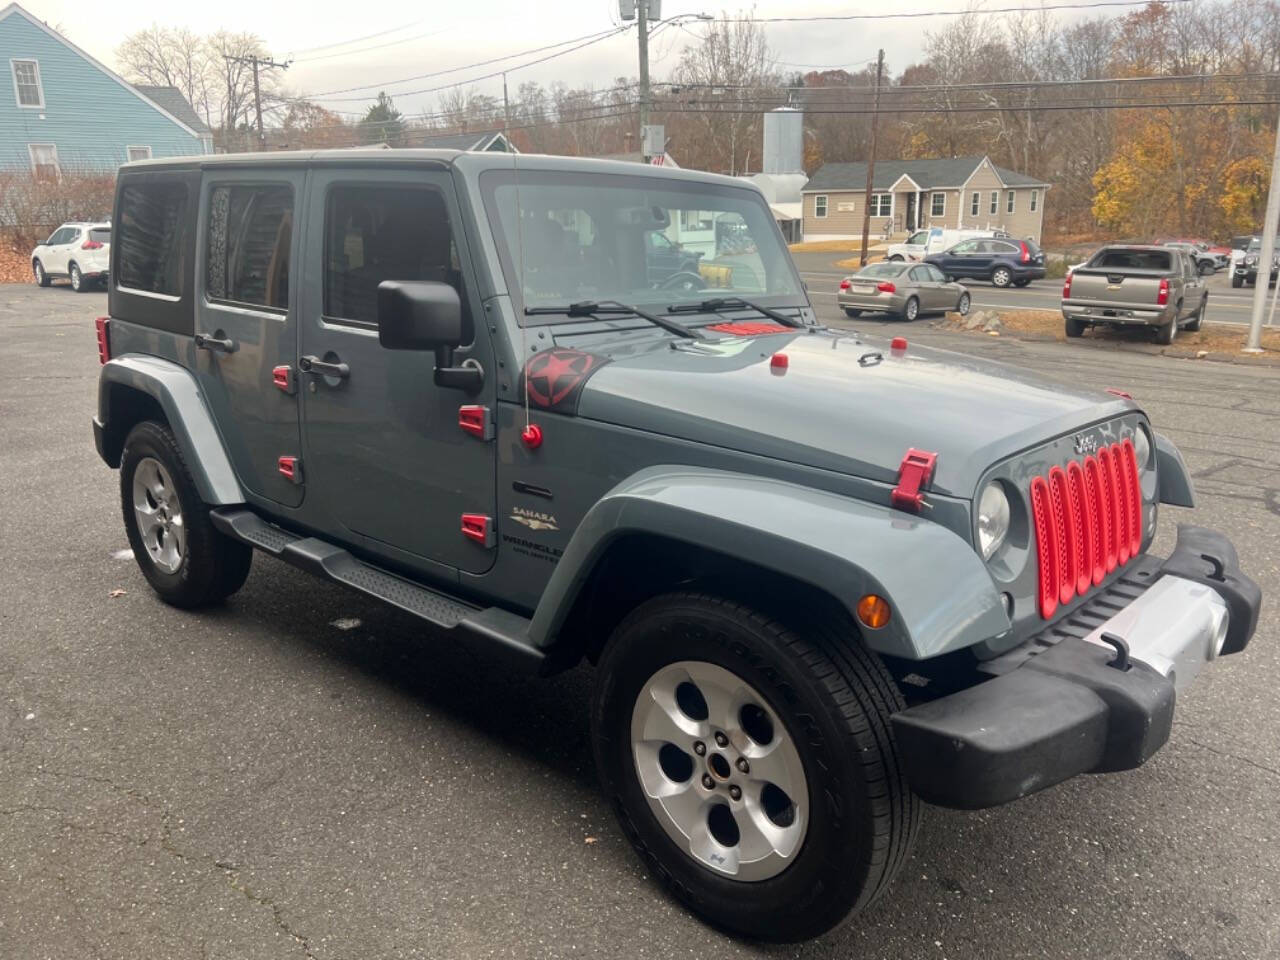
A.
pixel 418 315
pixel 427 315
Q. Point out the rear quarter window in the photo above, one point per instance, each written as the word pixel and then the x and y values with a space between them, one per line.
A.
pixel 152 238
pixel 150 220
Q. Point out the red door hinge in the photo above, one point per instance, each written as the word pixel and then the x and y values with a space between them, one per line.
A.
pixel 478 527
pixel 913 475
pixel 290 468
pixel 476 421
pixel 282 378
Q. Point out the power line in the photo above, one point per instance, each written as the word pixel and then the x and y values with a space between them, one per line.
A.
pixel 368 36
pixel 922 14
pixel 378 46
pixel 603 34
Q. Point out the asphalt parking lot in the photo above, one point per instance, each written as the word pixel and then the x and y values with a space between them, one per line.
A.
pixel 1226 304
pixel 302 773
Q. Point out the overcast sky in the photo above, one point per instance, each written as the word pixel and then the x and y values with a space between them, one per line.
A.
pixel 418 38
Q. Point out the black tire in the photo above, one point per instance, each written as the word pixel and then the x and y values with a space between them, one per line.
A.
pixel 1198 319
pixel 1205 267
pixel 1001 277
pixel 76 277
pixel 213 567
pixel 852 312
pixel 37 271
pixel 834 698
pixel 911 309
pixel 1237 281
pixel 964 304
pixel 1166 332
pixel 1021 283
pixel 1074 326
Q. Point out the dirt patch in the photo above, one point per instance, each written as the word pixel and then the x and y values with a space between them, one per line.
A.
pixel 834 246
pixel 1213 341
pixel 15 264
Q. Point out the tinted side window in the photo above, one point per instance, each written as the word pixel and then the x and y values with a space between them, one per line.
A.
pixel 996 247
pixel 248 247
pixel 969 246
pixel 100 235
pixel 936 275
pixel 384 233
pixel 148 237
pixel 920 275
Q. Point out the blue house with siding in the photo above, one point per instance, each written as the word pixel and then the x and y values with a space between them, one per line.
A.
pixel 64 112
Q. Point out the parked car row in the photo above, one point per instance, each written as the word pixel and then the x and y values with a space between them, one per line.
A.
pixel 80 252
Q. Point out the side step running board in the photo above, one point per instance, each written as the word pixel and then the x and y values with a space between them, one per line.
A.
pixel 505 633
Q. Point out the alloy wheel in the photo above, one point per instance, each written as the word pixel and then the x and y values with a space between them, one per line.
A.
pixel 76 279
pixel 158 514
pixel 719 770
pixel 39 271
pixel 962 307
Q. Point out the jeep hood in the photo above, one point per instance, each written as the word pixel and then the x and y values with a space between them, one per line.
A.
pixel 842 403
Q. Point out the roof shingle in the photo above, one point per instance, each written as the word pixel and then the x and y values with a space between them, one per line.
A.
pixel 928 173
pixel 171 100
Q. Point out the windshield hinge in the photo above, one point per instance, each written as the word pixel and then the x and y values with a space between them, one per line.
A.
pixel 915 473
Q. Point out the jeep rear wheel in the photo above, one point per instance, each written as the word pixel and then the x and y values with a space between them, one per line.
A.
pixel 186 561
pixel 752 768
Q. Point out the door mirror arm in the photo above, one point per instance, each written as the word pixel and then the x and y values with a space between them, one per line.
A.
pixel 424 315
pixel 467 376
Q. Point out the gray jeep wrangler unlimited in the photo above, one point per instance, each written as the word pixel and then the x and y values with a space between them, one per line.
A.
pixel 823 579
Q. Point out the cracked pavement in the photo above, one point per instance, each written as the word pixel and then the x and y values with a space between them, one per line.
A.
pixel 303 773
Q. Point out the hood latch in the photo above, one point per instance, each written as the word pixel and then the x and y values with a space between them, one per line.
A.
pixel 915 472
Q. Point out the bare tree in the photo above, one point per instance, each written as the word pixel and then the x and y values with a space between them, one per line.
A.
pixel 170 57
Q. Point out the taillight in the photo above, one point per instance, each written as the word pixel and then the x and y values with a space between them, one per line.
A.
pixel 1163 296
pixel 104 338
pixel 844 284
pixel 1025 255
pixel 1066 287
pixel 886 287
pixel 91 245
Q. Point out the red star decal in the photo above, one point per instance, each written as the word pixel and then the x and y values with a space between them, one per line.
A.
pixel 552 376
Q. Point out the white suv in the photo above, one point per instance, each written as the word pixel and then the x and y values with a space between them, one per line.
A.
pixel 81 252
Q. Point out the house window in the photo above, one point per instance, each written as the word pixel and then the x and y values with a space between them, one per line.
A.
pixel 973 204
pixel 247 254
pixel 149 237
pixel 138 153
pixel 820 206
pixel 1035 200
pixel 1008 205
pixel 995 201
pixel 938 205
pixel 882 204
pixel 44 161
pixel 26 83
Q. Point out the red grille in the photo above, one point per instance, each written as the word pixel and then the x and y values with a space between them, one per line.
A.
pixel 1088 521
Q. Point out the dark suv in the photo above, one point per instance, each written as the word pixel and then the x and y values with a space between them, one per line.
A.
pixel 1003 262
pixel 824 579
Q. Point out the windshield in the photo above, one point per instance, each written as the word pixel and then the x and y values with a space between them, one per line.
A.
pixel 633 239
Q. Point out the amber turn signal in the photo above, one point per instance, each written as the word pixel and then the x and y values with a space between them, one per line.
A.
pixel 873 611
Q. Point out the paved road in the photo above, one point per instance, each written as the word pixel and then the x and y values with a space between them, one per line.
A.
pixel 304 774
pixel 1226 304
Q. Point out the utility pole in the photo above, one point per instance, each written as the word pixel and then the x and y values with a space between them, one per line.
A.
pixel 506 105
pixel 1254 343
pixel 642 23
pixel 255 62
pixel 871 161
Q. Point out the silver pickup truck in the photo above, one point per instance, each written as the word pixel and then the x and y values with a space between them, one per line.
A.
pixel 1154 286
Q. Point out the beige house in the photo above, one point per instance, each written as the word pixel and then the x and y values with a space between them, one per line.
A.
pixel 909 195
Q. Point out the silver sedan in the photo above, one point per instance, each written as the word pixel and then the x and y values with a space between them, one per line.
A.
pixel 902 289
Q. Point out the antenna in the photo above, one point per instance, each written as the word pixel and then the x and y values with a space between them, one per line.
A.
pixel 521 320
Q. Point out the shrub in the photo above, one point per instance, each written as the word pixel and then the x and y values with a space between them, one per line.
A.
pixel 31 208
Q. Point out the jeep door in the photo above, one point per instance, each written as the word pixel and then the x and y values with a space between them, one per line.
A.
pixel 246 321
pixel 386 464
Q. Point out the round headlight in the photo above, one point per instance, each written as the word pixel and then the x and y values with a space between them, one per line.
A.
pixel 1142 448
pixel 993 519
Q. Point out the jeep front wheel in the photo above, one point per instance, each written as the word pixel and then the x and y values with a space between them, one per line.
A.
pixel 754 769
pixel 184 558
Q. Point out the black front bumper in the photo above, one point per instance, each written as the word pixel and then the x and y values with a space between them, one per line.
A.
pixel 1064 710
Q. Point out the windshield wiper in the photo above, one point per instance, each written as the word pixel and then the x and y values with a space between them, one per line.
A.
pixel 728 303
pixel 590 308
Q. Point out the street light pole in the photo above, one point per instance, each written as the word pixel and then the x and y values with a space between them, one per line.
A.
pixel 1254 343
pixel 642 25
